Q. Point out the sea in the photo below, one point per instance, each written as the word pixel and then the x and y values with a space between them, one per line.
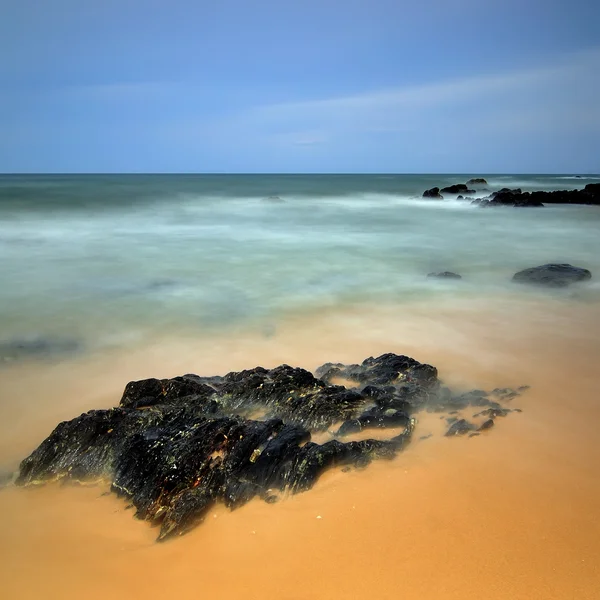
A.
pixel 96 261
pixel 106 279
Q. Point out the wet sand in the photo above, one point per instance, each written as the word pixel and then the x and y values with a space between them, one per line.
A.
pixel 509 514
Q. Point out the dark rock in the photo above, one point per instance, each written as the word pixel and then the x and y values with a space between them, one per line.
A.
pixel 462 401
pixel 460 428
pixel 150 392
pixel 460 197
pixel 502 391
pixel 459 188
pixel 506 190
pixel 506 394
pixel 486 425
pixel 517 198
pixel 592 189
pixel 589 195
pixel 173 463
pixel 444 275
pixel 176 446
pixel 477 181
pixel 494 412
pixel 552 275
pixel 514 198
pixel 385 369
pixel 433 193
pixel 375 417
pixel 292 394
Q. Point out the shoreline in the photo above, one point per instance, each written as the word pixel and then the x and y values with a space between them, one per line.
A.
pixel 509 514
pixel 470 331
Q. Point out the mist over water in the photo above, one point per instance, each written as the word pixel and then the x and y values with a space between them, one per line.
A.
pixel 106 279
pixel 109 260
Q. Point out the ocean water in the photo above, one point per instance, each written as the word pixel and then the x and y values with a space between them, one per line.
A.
pixel 107 279
pixel 98 261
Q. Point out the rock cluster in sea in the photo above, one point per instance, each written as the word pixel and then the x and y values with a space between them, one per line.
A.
pixel 174 447
pixel 517 197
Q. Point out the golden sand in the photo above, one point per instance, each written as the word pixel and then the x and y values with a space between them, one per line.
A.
pixel 511 514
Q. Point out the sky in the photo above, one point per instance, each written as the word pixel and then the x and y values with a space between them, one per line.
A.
pixel 465 86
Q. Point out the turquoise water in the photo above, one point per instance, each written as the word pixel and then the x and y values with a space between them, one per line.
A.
pixel 110 259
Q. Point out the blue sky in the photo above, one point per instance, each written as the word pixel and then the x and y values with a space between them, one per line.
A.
pixel 307 86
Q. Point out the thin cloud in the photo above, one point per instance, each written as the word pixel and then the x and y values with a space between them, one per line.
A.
pixel 569 88
pixel 550 100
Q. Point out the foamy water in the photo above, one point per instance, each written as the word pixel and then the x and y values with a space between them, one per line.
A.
pixel 105 260
pixel 508 514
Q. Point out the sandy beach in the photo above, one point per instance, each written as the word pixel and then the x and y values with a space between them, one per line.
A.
pixel 508 514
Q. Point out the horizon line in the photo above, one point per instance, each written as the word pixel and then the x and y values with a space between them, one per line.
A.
pixel 291 173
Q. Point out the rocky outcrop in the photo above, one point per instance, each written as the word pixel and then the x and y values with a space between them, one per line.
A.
pixel 444 275
pixel 516 197
pixel 590 195
pixel 174 447
pixel 593 189
pixel 433 193
pixel 458 188
pixel 477 181
pixel 506 197
pixel 552 275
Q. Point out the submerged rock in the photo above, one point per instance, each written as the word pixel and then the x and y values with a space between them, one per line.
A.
pixel 486 425
pixel 460 427
pixel 494 412
pixel 552 275
pixel 444 275
pixel 38 348
pixel 477 181
pixel 174 447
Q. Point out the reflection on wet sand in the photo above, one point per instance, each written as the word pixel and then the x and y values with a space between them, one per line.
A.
pixel 508 514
